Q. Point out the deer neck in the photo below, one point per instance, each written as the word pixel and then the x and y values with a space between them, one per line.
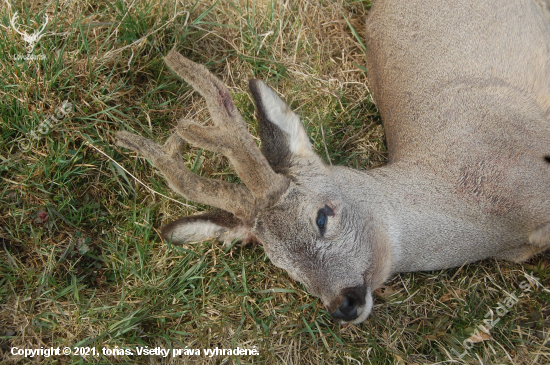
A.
pixel 419 218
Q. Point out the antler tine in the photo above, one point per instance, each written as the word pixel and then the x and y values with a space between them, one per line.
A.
pixel 229 134
pixel 215 93
pixel 233 198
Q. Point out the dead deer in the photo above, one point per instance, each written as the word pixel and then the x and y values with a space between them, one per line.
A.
pixel 463 88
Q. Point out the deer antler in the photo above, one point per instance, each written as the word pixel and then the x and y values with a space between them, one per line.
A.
pixel 228 136
pixel 229 197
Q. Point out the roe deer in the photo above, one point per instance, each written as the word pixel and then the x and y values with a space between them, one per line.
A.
pixel 463 88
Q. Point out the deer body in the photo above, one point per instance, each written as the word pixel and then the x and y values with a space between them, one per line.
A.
pixel 464 92
pixel 463 89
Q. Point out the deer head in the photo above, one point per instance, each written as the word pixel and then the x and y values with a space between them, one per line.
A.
pixel 31 40
pixel 291 202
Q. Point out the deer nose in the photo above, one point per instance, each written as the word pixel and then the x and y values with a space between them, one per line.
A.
pixel 347 311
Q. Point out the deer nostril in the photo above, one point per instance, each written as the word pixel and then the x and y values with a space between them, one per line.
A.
pixel 348 303
pixel 347 310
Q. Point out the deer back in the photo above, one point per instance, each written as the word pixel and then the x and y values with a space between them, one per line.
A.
pixel 447 76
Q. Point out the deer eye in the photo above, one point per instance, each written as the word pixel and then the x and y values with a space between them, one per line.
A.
pixel 322 218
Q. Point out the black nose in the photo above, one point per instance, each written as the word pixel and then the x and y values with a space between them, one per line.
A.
pixel 354 298
pixel 347 311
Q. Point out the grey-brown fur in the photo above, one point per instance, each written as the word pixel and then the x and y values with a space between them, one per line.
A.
pixel 463 90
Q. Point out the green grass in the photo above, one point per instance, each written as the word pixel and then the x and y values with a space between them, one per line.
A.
pixel 96 272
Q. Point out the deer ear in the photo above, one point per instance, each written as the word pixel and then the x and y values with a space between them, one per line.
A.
pixel 284 138
pixel 218 224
